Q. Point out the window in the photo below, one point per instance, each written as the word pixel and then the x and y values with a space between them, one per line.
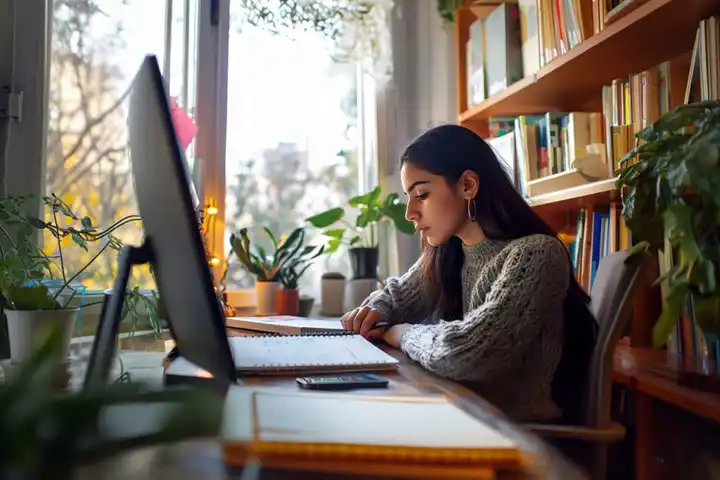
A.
pixel 292 138
pixel 96 48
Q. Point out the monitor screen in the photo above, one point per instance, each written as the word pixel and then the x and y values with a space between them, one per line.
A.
pixel 167 204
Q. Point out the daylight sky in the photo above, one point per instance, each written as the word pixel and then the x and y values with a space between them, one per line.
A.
pixel 278 89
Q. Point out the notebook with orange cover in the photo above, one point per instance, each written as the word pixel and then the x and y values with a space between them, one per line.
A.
pixel 285 427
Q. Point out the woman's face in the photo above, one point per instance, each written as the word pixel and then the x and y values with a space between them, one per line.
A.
pixel 438 209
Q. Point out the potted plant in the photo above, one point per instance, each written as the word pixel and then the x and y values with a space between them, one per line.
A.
pixel 362 235
pixel 266 267
pixel 36 290
pixel 61 434
pixel 671 182
pixel 288 298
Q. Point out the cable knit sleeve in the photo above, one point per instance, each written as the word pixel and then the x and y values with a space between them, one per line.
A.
pixel 528 292
pixel 401 301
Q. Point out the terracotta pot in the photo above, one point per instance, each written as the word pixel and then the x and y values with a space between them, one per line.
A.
pixel 265 292
pixel 288 302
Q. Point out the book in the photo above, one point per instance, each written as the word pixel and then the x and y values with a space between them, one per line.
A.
pixel 286 324
pixel 318 353
pixel 276 425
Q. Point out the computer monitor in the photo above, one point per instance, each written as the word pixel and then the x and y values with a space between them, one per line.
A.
pixel 173 244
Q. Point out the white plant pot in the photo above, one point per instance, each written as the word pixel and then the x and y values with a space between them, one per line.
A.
pixel 28 329
pixel 265 292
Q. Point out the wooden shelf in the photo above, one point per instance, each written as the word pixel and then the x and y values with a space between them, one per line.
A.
pixel 591 194
pixel 654 32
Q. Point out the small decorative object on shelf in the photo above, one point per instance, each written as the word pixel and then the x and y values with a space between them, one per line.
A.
pixel 362 237
pixel 672 204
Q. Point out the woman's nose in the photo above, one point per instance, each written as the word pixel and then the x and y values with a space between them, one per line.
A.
pixel 410 212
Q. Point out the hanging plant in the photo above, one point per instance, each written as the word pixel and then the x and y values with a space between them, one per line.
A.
pixel 447 9
pixel 358 30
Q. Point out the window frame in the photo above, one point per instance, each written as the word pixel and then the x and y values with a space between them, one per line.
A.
pixel 24 166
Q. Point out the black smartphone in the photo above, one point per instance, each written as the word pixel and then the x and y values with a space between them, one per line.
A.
pixel 343 382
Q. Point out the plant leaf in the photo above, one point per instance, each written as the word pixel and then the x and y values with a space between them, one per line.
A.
pixel 33 297
pixel 272 238
pixel 335 233
pixel 87 225
pixel 327 218
pixel 367 199
pixel 79 241
pixel 672 308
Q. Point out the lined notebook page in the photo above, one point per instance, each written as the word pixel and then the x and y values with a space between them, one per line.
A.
pixel 307 353
pixel 368 421
pixel 359 426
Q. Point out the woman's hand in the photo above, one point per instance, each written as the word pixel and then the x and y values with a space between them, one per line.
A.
pixel 391 335
pixel 361 320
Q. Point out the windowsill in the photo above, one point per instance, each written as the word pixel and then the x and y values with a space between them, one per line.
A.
pixel 241 298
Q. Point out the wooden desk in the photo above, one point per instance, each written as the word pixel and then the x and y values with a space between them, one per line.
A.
pixel 412 380
pixel 639 369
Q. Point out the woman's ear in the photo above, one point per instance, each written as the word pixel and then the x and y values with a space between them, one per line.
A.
pixel 469 184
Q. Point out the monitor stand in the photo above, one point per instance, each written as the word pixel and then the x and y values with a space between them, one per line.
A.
pixel 103 349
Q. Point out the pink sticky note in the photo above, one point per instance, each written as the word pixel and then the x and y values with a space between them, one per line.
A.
pixel 185 128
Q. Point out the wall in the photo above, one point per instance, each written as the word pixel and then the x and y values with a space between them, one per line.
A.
pixel 422 94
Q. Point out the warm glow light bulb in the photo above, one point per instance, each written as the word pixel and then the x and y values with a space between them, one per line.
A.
pixel 212 211
pixel 214 261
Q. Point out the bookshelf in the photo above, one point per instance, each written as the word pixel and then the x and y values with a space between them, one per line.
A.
pixel 656 31
pixel 621 47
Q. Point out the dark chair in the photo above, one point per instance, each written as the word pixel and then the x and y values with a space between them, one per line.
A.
pixel 617 282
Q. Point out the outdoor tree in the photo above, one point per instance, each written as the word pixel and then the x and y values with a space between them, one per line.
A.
pixel 87 164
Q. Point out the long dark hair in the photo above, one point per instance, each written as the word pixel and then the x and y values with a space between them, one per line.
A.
pixel 503 214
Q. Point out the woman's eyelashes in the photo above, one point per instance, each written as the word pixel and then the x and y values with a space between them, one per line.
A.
pixel 421 196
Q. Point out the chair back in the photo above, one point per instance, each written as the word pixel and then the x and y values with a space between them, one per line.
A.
pixel 617 282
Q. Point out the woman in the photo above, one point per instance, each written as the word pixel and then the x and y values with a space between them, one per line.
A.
pixel 493 301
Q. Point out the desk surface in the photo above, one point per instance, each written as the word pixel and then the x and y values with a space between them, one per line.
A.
pixel 639 368
pixel 412 380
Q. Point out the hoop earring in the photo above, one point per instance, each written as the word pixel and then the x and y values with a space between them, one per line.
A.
pixel 472 210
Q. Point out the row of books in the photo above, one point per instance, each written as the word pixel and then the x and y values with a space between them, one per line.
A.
pixel 517 39
pixel 593 142
pixel 598 232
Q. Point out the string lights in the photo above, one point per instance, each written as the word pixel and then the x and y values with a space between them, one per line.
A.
pixel 207 227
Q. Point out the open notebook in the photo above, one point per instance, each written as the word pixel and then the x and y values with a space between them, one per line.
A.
pixel 296 428
pixel 286 325
pixel 319 353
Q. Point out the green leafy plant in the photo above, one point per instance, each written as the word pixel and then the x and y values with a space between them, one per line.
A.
pixel 448 8
pixel 267 267
pixel 294 267
pixel 23 265
pixel 363 233
pixel 672 181
pixel 326 17
pixel 142 308
pixel 54 433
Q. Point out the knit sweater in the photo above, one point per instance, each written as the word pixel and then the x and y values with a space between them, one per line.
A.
pixel 509 341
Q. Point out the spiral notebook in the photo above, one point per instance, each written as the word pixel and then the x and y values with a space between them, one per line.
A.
pixel 277 425
pixel 311 353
